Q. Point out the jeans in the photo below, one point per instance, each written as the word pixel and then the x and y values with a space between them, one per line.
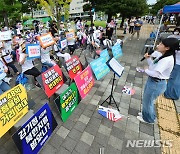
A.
pixel 151 91
pixel 4 87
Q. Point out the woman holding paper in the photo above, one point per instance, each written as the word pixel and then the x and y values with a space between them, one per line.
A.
pixel 161 64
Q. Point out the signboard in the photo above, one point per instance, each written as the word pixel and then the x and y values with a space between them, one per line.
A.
pixel 99 67
pixel 46 40
pixel 117 51
pixel 52 80
pixel 74 66
pixel 70 35
pixel 7 59
pixel 63 43
pixel 31 137
pixel 33 51
pixel 105 54
pixel 84 81
pixel 68 101
pixel 5 35
pixel 13 106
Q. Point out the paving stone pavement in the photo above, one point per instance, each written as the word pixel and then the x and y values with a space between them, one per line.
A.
pixel 86 132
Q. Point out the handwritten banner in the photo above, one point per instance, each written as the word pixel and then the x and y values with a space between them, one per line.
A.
pixel 52 80
pixel 74 67
pixel 99 67
pixel 13 106
pixel 105 54
pixel 31 137
pixel 33 51
pixel 84 81
pixel 5 35
pixel 117 51
pixel 46 40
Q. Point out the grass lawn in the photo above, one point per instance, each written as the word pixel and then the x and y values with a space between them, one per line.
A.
pixel 101 23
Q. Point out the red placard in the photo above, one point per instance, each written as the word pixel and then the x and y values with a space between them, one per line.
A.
pixel 74 67
pixel 52 80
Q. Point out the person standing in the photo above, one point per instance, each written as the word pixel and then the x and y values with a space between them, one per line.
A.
pixel 110 28
pixel 125 26
pixel 131 25
pixel 137 27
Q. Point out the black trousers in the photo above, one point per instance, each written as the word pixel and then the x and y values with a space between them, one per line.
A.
pixel 131 28
pixel 34 72
pixel 13 67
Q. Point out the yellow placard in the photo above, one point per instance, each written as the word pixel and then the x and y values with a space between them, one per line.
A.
pixel 13 106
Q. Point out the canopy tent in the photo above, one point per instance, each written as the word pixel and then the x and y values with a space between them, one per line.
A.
pixel 172 8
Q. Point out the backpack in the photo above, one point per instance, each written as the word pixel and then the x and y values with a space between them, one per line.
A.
pixel 21 79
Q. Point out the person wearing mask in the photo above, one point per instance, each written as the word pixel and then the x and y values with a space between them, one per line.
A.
pixel 137 27
pixel 161 64
pixel 110 28
pixel 173 85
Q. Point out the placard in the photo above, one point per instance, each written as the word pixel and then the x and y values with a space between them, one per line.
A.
pixel 46 40
pixel 31 137
pixel 105 54
pixel 74 66
pixel 63 43
pixel 6 35
pixel 33 51
pixel 117 51
pixel 68 101
pixel 7 59
pixel 99 67
pixel 70 35
pixel 13 106
pixel 84 81
pixel 52 80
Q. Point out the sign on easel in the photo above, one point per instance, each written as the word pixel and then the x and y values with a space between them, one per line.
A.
pixel 13 106
pixel 46 40
pixel 31 137
pixel 33 51
pixel 117 51
pixel 105 54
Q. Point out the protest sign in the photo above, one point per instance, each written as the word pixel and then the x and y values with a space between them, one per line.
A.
pixel 105 54
pixel 117 51
pixel 63 43
pixel 70 35
pixel 7 59
pixel 84 81
pixel 68 101
pixel 31 137
pixel 33 51
pixel 74 67
pixel 6 35
pixel 52 80
pixel 46 40
pixel 13 106
pixel 99 67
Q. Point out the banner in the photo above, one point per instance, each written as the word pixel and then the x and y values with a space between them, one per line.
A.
pixel 63 43
pixel 31 137
pixel 84 81
pixel 5 35
pixel 74 67
pixel 46 40
pixel 33 51
pixel 99 67
pixel 117 51
pixel 70 35
pixel 105 54
pixel 13 106
pixel 52 80
pixel 68 101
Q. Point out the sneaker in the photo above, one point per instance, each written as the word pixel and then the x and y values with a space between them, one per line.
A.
pixel 142 120
pixel 38 85
pixel 140 114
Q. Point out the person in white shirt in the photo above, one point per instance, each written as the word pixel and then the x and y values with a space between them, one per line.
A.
pixel 161 64
pixel 131 25
pixel 173 85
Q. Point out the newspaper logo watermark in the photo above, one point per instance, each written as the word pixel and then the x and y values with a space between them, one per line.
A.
pixel 149 143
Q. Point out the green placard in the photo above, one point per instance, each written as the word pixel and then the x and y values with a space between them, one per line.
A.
pixel 68 101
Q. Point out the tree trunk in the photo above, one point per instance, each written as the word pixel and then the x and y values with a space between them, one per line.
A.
pixel 109 17
pixel 5 17
pixel 122 22
pixel 31 12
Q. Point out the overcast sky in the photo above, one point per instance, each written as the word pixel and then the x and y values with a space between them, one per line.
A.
pixel 151 1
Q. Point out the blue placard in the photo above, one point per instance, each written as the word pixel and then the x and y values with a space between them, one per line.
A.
pixel 33 51
pixel 99 67
pixel 31 137
pixel 117 51
pixel 105 54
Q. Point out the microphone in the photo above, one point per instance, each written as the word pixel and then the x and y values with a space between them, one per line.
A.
pixel 149 53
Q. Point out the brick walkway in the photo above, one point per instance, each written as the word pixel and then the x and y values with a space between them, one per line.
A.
pixel 86 131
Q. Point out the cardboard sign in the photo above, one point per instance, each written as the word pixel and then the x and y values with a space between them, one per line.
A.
pixel 74 67
pixel 52 80
pixel 84 81
pixel 70 35
pixel 63 43
pixel 46 40
pixel 7 59
pixel 117 51
pixel 99 67
pixel 31 137
pixel 13 106
pixel 5 35
pixel 105 54
pixel 68 101
pixel 33 51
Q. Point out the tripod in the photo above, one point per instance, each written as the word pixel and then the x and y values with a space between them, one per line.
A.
pixel 110 97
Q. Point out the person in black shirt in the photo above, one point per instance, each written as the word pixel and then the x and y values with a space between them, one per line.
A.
pixel 53 28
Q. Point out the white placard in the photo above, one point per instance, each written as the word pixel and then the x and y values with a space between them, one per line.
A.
pixel 5 35
pixel 63 44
